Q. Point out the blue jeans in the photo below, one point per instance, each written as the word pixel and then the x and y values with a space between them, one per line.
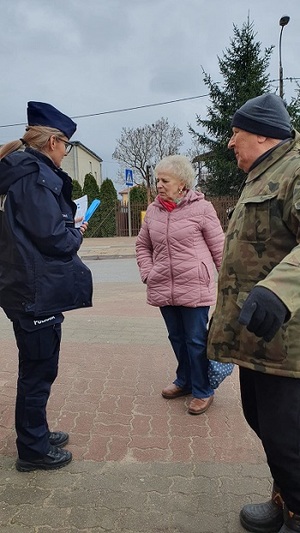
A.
pixel 187 328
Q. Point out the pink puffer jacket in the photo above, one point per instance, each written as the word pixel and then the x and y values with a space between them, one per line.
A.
pixel 177 252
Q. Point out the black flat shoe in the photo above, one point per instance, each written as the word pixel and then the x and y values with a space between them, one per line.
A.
pixel 58 438
pixel 55 458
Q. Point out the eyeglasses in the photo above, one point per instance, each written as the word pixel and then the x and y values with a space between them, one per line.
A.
pixel 68 146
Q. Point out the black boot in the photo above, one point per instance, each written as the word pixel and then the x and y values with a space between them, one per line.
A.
pixel 291 521
pixel 264 517
pixel 55 458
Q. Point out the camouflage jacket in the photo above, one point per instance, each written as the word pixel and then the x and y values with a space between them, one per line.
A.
pixel 262 247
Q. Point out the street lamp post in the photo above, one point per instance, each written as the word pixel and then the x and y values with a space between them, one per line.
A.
pixel 283 22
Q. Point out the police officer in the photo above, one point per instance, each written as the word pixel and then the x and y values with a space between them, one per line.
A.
pixel 41 274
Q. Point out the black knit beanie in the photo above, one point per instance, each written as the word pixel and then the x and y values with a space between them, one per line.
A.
pixel 264 115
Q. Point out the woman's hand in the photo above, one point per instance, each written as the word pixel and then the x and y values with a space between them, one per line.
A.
pixel 83 227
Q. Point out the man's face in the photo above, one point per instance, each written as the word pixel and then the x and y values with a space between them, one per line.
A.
pixel 246 147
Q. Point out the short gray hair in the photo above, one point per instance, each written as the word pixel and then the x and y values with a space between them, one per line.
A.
pixel 178 166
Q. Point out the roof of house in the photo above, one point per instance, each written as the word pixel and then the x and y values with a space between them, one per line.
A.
pixel 202 157
pixel 86 149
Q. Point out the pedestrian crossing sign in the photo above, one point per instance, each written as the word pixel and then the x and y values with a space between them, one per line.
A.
pixel 128 177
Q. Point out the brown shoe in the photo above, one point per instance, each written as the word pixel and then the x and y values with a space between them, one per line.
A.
pixel 173 391
pixel 200 405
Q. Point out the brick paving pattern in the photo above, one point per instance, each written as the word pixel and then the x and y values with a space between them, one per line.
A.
pixel 141 464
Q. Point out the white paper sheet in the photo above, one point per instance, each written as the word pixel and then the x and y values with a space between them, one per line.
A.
pixel 82 205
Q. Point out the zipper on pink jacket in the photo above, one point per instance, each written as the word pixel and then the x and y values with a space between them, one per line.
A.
pixel 171 268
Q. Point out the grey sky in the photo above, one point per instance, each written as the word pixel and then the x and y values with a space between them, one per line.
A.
pixel 100 55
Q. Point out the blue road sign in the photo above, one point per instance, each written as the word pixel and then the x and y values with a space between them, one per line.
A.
pixel 128 177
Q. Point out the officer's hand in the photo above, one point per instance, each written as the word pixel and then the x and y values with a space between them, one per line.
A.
pixel 263 313
pixel 83 227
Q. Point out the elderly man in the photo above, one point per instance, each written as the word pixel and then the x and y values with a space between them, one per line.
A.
pixel 256 323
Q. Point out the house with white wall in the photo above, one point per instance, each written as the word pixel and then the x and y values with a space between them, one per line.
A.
pixel 81 161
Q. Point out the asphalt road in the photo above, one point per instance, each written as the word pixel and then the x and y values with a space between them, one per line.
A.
pixel 116 271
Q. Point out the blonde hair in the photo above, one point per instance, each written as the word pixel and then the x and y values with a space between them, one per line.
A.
pixel 35 137
pixel 178 166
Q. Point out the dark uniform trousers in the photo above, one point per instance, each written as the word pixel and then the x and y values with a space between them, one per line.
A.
pixel 271 406
pixel 38 367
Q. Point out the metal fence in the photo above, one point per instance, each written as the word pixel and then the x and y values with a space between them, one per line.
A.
pixel 122 219
pixel 116 221
pixel 222 205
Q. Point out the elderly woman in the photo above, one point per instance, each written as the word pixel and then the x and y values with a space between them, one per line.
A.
pixel 41 274
pixel 178 247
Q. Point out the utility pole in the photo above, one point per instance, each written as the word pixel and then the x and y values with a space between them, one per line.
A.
pixel 148 170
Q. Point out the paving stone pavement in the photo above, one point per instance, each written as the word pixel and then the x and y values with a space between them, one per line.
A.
pixel 141 464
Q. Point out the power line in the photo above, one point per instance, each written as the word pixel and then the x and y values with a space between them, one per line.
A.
pixel 122 110
pixel 119 110
pixel 288 78
pixel 141 106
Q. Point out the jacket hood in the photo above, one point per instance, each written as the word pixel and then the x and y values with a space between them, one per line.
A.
pixel 13 167
pixel 21 163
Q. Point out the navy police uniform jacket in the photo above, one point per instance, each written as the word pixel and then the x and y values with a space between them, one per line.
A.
pixel 40 271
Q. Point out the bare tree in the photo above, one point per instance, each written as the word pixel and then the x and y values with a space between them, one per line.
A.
pixel 141 148
pixel 168 139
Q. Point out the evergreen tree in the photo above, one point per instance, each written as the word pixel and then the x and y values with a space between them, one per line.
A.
pixel 244 73
pixel 91 189
pixel 107 209
pixel 77 190
pixel 294 110
pixel 138 194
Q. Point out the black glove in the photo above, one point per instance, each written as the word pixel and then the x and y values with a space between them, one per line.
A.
pixel 263 313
